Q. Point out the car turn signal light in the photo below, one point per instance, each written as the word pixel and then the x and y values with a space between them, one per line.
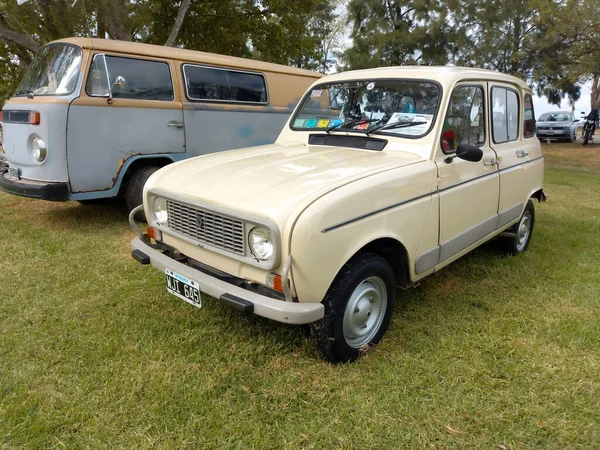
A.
pixel 34 117
pixel 154 234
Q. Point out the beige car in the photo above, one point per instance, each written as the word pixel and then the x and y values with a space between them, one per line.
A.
pixel 380 178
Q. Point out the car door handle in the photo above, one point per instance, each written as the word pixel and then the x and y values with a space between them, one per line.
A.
pixel 492 162
pixel 174 123
pixel 522 154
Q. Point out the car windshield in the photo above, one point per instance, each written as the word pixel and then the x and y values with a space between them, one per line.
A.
pixel 54 71
pixel 555 117
pixel 370 105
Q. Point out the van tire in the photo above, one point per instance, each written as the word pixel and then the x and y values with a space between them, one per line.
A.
pixel 135 188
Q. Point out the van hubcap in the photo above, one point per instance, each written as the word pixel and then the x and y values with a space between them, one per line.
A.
pixel 524 230
pixel 364 312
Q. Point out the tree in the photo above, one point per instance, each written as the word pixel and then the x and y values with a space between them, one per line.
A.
pixel 396 32
pixel 568 51
pixel 496 34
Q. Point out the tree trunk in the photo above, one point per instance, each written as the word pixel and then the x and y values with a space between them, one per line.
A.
pixel 595 95
pixel 185 4
pixel 18 39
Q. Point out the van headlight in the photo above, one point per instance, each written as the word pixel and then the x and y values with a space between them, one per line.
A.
pixel 159 209
pixel 38 148
pixel 261 243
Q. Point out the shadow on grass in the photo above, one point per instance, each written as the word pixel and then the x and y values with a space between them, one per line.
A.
pixel 74 215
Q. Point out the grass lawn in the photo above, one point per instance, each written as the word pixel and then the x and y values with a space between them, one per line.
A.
pixel 492 352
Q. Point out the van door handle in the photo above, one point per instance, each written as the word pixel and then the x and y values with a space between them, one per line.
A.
pixel 492 162
pixel 522 154
pixel 174 123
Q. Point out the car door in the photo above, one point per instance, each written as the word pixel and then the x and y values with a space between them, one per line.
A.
pixel 144 117
pixel 507 132
pixel 468 191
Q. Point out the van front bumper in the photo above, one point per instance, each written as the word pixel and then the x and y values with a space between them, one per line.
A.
pixel 55 192
pixel 229 294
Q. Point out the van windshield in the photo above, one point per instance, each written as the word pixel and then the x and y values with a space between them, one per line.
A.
pixel 54 71
pixel 399 107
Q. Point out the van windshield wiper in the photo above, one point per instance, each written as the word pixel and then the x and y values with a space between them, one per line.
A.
pixel 399 124
pixel 350 122
pixel 28 93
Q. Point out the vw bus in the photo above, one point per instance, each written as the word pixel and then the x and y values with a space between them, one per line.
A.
pixel 94 118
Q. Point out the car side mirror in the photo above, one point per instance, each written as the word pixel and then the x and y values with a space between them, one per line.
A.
pixel 467 152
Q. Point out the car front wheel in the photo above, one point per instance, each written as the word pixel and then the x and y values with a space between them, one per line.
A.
pixel 358 309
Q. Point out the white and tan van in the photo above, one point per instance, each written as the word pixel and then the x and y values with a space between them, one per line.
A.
pixel 93 118
pixel 380 178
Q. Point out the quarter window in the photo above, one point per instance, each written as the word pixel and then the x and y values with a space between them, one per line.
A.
pixel 213 84
pixel 464 122
pixel 528 118
pixel 144 80
pixel 505 115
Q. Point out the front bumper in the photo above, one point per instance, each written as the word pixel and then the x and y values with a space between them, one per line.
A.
pixel 228 294
pixel 55 192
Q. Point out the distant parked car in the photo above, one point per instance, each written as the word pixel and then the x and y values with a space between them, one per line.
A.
pixel 559 125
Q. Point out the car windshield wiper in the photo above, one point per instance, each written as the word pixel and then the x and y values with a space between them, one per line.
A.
pixel 350 122
pixel 399 124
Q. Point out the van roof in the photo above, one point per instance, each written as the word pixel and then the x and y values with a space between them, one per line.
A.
pixel 159 51
pixel 443 74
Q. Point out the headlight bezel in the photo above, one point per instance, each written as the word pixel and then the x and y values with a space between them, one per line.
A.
pixel 37 148
pixel 254 239
pixel 160 216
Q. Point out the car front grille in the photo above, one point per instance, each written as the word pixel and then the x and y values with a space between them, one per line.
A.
pixel 207 227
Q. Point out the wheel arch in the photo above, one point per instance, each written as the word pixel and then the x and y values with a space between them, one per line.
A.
pixel 132 164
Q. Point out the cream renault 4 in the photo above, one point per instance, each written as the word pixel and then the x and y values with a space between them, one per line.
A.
pixel 380 178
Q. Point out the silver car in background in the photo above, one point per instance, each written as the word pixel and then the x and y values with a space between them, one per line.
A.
pixel 558 125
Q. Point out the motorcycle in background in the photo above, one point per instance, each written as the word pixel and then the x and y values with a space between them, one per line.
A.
pixel 589 126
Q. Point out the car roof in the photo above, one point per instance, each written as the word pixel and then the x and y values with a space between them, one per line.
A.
pixel 160 51
pixel 446 75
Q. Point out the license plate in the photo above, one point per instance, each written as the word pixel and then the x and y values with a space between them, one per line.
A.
pixel 183 288
pixel 13 172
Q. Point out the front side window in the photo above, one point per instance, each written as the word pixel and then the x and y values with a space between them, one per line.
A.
pixel 404 108
pixel 464 122
pixel 528 117
pixel 222 85
pixel 144 80
pixel 54 71
pixel 505 115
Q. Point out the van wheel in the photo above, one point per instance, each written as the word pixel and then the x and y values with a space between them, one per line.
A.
pixel 358 309
pixel 135 188
pixel 522 231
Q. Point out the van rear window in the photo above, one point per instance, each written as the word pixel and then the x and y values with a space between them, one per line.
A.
pixel 222 85
pixel 144 80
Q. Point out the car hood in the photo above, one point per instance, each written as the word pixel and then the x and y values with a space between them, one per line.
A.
pixel 554 124
pixel 271 181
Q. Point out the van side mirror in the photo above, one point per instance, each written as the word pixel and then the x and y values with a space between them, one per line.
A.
pixel 467 152
pixel 119 82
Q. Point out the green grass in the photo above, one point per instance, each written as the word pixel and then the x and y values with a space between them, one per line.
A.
pixel 492 351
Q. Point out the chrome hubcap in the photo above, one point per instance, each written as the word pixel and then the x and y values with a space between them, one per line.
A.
pixel 364 312
pixel 524 230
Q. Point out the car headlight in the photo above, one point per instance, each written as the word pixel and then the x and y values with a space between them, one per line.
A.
pixel 38 149
pixel 261 243
pixel 159 209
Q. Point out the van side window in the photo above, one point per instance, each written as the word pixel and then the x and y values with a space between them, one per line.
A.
pixel 528 118
pixel 465 121
pixel 144 80
pixel 213 84
pixel 505 115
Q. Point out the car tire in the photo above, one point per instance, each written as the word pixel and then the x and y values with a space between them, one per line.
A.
pixel 135 188
pixel 358 309
pixel 521 232
pixel 573 137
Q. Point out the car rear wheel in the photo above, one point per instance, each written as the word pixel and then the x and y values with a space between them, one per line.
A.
pixel 358 309
pixel 519 235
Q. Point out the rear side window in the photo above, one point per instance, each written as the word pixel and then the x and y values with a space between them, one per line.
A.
pixel 144 80
pixel 223 85
pixel 505 115
pixel 528 117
